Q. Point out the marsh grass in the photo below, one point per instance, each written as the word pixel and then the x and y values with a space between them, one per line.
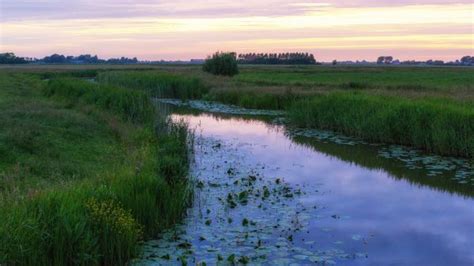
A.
pixel 435 125
pixel 84 73
pixel 134 106
pixel 109 185
pixel 423 107
pixel 253 99
pixel 156 84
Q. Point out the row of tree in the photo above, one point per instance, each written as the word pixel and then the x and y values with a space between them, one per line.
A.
pixel 11 58
pixel 250 58
pixel 277 58
pixel 85 59
pixel 389 60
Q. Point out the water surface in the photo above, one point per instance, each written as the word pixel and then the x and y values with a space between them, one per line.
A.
pixel 266 195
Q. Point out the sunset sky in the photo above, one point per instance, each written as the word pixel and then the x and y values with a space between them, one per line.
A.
pixel 179 29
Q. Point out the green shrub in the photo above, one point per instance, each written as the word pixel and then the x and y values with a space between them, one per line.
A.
pixel 224 64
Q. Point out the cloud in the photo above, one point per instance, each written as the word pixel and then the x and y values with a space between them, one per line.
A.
pixel 187 29
pixel 93 9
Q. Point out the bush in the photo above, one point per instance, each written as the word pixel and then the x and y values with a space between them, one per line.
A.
pixel 224 64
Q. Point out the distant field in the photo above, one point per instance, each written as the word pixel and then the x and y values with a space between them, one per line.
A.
pixel 414 82
pixel 362 77
pixel 453 82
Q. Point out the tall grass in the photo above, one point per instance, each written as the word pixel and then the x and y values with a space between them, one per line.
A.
pixel 85 73
pixel 435 125
pixel 101 219
pixel 130 105
pixel 158 84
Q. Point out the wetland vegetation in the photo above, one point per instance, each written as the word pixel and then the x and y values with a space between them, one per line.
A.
pixel 426 108
pixel 94 170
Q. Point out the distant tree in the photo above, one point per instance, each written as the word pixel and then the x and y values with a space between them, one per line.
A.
pixel 385 60
pixel 275 59
pixel 55 59
pixel 467 60
pixel 334 62
pixel 220 63
pixel 11 58
pixel 122 60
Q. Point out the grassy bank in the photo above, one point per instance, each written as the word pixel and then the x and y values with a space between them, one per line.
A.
pixel 84 174
pixel 435 125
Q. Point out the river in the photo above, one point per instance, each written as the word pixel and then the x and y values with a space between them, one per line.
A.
pixel 272 196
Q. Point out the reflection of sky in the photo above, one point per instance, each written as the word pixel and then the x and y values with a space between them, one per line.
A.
pixel 151 29
pixel 403 224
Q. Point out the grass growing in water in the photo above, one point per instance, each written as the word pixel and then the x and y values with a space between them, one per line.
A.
pixel 435 125
pixel 106 181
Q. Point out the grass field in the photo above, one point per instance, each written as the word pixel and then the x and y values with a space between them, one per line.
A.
pixel 87 172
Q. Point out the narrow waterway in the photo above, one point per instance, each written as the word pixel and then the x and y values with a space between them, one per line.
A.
pixel 267 195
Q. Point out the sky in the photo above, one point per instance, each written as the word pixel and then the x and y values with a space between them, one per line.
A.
pixel 182 30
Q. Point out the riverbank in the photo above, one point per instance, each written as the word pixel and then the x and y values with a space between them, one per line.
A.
pixel 87 172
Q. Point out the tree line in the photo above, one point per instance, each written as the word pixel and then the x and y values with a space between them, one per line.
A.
pixel 389 60
pixel 85 59
pixel 11 58
pixel 277 58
